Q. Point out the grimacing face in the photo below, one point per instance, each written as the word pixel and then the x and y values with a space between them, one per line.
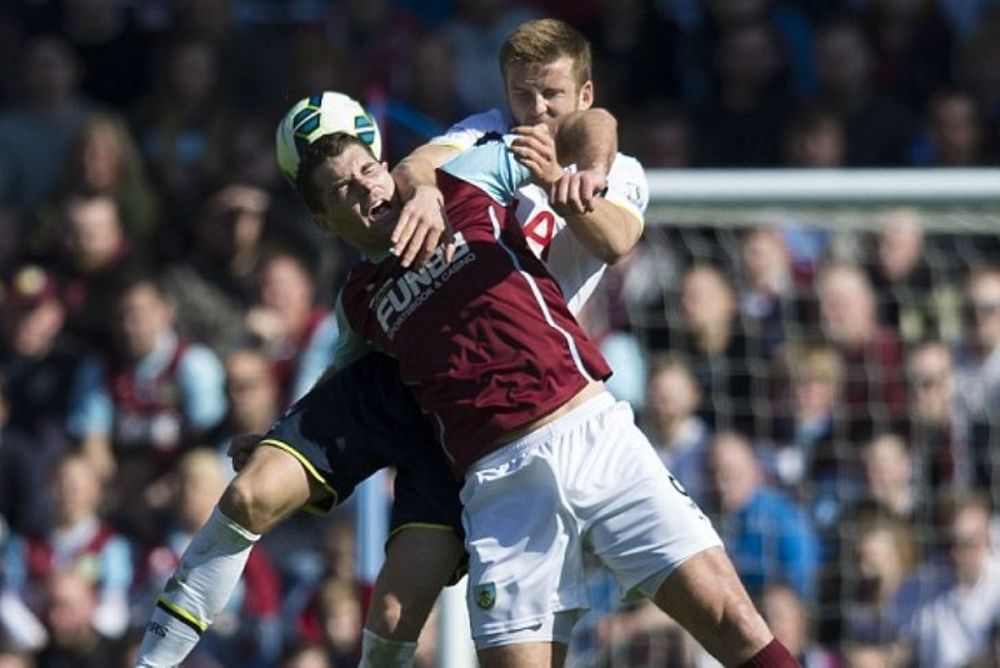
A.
pixel 359 199
pixel 543 93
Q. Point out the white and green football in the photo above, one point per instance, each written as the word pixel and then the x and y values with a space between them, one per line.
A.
pixel 317 115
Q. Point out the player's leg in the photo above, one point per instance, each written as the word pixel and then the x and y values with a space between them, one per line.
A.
pixel 528 654
pixel 419 563
pixel 658 543
pixel 426 538
pixel 270 487
pixel 706 597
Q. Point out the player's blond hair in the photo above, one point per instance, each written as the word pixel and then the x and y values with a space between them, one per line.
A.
pixel 543 41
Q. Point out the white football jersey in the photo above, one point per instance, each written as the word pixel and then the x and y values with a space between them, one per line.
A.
pixel 577 271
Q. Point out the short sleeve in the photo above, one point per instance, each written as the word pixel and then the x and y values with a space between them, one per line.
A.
pixel 90 409
pixel 491 167
pixel 627 186
pixel 464 134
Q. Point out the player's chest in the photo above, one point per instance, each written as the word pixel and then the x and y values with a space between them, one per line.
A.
pixel 537 219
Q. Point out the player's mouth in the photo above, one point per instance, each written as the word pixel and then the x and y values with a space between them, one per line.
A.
pixel 379 211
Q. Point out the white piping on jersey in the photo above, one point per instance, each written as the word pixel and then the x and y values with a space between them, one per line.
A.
pixel 444 447
pixel 571 344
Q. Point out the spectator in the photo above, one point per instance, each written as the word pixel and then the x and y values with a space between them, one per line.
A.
pixel 673 426
pixel 913 45
pixel 979 372
pixel 768 296
pixel 93 253
pixel 810 459
pixel 958 603
pixel 940 440
pixel 719 353
pixel 877 562
pixel 814 137
pixel 78 541
pixel 954 135
pixel 340 609
pixel 216 282
pixel 380 37
pixel 71 610
pixel 113 51
pixel 635 53
pixel 742 128
pixel 247 632
pixel 874 391
pixel 891 485
pixel 299 335
pixel 252 394
pixel 659 135
pixel 915 298
pixel 430 91
pixel 475 34
pixel 137 404
pixel 20 476
pixel 980 73
pixel 879 128
pixel 183 129
pixel 769 537
pixel 103 159
pixel 35 135
pixel 37 358
pixel 788 617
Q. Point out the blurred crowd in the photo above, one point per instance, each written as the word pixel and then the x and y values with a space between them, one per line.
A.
pixel 830 398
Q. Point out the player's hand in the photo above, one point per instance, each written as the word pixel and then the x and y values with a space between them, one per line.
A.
pixel 421 228
pixel 535 148
pixel 240 449
pixel 573 194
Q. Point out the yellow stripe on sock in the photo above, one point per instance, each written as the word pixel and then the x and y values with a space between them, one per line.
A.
pixel 182 615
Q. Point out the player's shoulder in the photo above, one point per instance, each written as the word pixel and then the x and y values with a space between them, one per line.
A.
pixel 464 133
pixel 626 166
pixel 627 184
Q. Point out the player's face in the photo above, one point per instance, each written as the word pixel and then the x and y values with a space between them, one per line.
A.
pixel 359 199
pixel 543 93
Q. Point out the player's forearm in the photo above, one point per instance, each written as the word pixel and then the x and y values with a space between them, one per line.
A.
pixel 609 232
pixel 417 169
pixel 588 139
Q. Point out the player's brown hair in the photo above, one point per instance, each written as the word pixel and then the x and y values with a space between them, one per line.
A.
pixel 327 146
pixel 544 40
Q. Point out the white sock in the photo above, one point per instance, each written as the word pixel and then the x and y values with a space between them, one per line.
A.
pixel 379 652
pixel 205 579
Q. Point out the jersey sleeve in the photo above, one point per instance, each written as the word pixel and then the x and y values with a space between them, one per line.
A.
pixel 350 345
pixel 491 167
pixel 628 187
pixel 464 134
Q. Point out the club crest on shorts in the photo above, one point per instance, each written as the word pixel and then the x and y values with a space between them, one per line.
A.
pixel 486 595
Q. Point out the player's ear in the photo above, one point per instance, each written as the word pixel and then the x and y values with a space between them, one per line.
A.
pixel 587 95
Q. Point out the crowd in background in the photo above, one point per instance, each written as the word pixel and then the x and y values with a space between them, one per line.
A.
pixel 830 398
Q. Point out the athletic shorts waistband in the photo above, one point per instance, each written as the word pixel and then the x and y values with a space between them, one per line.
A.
pixel 581 413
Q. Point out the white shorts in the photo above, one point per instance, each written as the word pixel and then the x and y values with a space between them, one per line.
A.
pixel 589 482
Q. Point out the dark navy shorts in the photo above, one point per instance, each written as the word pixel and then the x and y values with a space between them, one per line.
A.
pixel 359 420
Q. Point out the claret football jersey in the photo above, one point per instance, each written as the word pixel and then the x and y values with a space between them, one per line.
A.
pixel 486 342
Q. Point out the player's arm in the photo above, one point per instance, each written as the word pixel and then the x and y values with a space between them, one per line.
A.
pixel 588 139
pixel 422 224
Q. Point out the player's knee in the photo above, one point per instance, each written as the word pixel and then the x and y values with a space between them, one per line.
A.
pixel 244 503
pixel 385 616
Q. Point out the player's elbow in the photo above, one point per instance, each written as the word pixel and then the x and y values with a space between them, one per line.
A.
pixel 617 248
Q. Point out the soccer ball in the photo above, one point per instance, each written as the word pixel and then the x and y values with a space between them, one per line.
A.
pixel 318 115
